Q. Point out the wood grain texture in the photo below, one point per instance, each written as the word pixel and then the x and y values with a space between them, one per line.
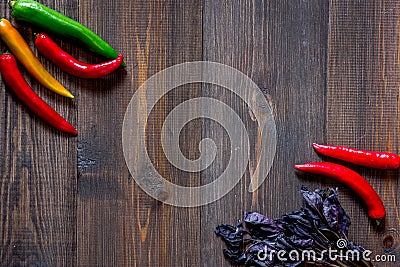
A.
pixel 119 224
pixel 38 184
pixel 282 47
pixel 363 103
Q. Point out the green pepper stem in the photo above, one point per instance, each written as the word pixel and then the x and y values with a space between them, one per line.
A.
pixel 12 3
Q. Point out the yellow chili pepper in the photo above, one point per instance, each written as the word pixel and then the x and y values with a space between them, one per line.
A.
pixel 16 43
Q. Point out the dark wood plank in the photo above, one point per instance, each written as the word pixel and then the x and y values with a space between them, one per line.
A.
pixel 37 173
pixel 119 224
pixel 282 46
pixel 362 101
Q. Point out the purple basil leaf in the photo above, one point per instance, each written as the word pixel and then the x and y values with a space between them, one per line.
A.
pixel 293 243
pixel 301 232
pixel 283 244
pixel 317 225
pixel 262 254
pixel 260 226
pixel 313 199
pixel 352 246
pixel 292 264
pixel 335 215
pixel 300 243
pixel 298 217
pixel 256 218
pixel 234 256
pixel 232 235
pixel 254 260
pixel 312 215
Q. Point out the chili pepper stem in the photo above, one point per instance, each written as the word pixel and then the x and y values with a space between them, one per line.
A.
pixel 378 222
pixel 12 3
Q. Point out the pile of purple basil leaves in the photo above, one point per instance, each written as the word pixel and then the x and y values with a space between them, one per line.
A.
pixel 319 226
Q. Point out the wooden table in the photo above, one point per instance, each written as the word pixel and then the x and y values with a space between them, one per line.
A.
pixel 329 69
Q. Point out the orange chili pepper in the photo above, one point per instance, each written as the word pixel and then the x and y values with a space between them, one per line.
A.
pixel 25 55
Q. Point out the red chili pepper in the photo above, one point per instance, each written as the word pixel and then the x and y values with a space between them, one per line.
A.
pixel 16 82
pixel 352 179
pixel 373 159
pixel 46 46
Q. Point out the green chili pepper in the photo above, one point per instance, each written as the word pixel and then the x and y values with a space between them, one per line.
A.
pixel 52 21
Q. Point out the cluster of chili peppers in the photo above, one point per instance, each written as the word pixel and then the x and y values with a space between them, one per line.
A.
pixel 56 23
pixel 373 159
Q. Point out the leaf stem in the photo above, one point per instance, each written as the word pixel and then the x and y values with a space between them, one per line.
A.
pixel 340 263
pixel 322 264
